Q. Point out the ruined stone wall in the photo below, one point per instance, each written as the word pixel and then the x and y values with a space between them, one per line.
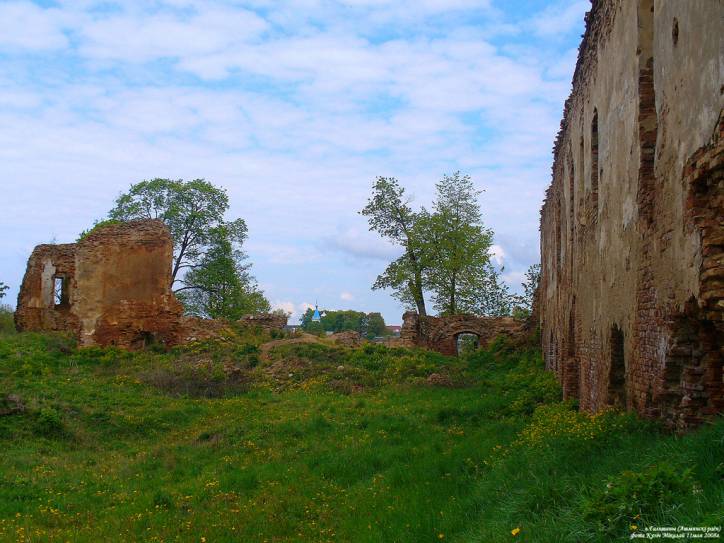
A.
pixel 37 308
pixel 118 287
pixel 631 228
pixel 441 333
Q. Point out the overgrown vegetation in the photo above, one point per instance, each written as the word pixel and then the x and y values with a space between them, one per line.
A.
pixel 242 440
pixel 7 323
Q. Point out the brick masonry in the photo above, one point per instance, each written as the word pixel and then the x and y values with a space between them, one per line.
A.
pixel 631 301
pixel 116 291
pixel 441 333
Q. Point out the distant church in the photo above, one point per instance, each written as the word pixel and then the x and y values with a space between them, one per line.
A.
pixel 316 317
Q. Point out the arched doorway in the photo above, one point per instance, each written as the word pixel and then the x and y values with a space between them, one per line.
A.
pixel 466 342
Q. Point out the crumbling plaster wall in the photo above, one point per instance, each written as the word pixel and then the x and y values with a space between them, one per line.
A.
pixel 118 287
pixel 117 291
pixel 622 259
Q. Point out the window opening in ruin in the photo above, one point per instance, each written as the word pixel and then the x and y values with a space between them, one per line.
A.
pixel 647 118
pixel 572 330
pixel 551 352
pixel 572 193
pixel 467 343
pixel 617 371
pixel 60 291
pixel 144 339
pixel 594 162
pixel 581 182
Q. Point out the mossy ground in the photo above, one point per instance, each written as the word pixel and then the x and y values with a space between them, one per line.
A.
pixel 213 442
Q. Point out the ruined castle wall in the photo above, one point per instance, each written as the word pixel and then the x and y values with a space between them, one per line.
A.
pixel 621 254
pixel 123 278
pixel 117 290
pixel 37 308
pixel 441 333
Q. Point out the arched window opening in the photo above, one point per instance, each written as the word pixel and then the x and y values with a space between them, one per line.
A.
pixel 572 330
pixel 467 343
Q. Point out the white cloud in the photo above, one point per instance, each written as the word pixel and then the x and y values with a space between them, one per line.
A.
pixel 560 18
pixel 498 254
pixel 295 311
pixel 24 25
pixel 140 37
pixel 514 279
pixel 360 243
pixel 297 109
pixel 346 296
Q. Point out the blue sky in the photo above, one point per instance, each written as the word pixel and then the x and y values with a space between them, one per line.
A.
pixel 294 107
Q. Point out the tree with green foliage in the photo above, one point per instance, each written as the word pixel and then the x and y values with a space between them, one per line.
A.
pixel 530 285
pixel 523 304
pixel 493 298
pixel 209 269
pixel 389 214
pixel 458 247
pixel 376 326
pixel 369 325
pixel 220 286
pixel 3 288
pixel 190 209
pixel 447 251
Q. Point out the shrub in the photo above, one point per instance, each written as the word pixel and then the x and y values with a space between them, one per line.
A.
pixel 7 324
pixel 49 422
pixel 632 499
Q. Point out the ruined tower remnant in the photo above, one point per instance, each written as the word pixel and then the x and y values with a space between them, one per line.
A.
pixel 632 227
pixel 111 288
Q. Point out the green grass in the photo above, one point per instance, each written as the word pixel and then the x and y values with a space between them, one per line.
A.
pixel 213 442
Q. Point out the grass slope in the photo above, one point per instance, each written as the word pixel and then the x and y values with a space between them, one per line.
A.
pixel 309 442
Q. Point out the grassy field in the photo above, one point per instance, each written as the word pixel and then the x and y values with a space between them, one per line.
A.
pixel 222 441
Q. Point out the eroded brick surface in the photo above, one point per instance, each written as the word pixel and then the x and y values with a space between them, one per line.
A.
pixel 116 291
pixel 441 333
pixel 117 287
pixel 632 229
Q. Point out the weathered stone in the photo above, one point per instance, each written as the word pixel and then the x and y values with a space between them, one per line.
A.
pixel 114 283
pixel 115 290
pixel 631 228
pixel 349 338
pixel 265 321
pixel 441 333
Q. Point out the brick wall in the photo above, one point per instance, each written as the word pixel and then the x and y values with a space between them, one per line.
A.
pixel 632 230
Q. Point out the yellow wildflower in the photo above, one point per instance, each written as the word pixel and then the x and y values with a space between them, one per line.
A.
pixel 515 531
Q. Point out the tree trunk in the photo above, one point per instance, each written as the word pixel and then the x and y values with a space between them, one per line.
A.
pixel 452 308
pixel 419 296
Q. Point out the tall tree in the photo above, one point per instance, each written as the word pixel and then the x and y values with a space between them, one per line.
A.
pixel 447 251
pixel 459 248
pixel 209 269
pixel 220 286
pixel 389 214
pixel 3 288
pixel 190 210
